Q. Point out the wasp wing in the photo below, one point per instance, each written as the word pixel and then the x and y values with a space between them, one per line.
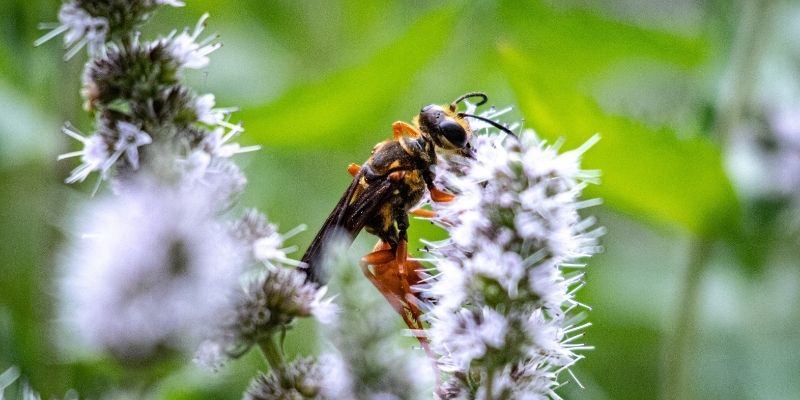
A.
pixel 357 206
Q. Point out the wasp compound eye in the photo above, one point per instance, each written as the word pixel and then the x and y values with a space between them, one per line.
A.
pixel 453 132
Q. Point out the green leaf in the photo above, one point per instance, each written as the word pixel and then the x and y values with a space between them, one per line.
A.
pixel 652 174
pixel 327 112
pixel 578 43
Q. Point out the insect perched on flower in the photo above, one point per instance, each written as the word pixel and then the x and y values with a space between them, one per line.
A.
pixel 383 191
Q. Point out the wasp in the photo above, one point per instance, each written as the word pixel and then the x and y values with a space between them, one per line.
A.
pixel 383 192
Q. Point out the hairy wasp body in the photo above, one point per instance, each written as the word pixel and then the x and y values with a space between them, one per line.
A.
pixel 393 180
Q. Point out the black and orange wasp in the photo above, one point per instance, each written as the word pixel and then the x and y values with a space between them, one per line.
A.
pixel 384 190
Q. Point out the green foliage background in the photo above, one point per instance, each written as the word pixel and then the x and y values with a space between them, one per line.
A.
pixel 320 82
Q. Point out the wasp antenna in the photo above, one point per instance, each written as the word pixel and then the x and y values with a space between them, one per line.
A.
pixel 465 96
pixel 493 123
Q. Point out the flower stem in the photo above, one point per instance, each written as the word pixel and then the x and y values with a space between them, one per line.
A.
pixel 740 78
pixel 680 348
pixel 489 384
pixel 273 355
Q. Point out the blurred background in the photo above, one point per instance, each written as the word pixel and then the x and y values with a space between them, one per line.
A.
pixel 697 294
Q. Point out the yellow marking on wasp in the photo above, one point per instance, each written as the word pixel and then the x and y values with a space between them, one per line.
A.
pixel 362 184
pixel 388 216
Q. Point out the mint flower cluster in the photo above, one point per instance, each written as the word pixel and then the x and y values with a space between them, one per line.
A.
pixel 154 268
pixel 505 321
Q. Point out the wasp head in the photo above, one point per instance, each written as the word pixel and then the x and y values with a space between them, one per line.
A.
pixel 445 127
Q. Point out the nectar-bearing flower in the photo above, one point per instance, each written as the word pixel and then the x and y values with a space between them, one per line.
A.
pixel 152 270
pixel 270 302
pixel 91 24
pixel 304 378
pixel 156 268
pixel 273 296
pixel 264 243
pixel 373 360
pixel 94 156
pixel 188 51
pixel 504 321
pixel 146 117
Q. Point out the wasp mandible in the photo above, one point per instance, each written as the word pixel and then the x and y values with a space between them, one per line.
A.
pixel 383 191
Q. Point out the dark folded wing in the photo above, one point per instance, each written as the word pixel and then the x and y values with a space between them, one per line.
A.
pixel 350 215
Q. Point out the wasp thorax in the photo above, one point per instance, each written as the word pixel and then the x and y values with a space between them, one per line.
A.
pixel 442 127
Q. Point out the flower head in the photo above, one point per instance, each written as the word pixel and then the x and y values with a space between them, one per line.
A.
pixel 152 270
pixel 136 92
pixel 302 379
pixel 91 24
pixel 131 137
pixel 374 360
pixel 94 156
pixel 190 53
pixel 470 334
pixel 504 289
pixel 269 303
pixel 262 239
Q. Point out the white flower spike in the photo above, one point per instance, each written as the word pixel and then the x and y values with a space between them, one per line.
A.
pixel 505 289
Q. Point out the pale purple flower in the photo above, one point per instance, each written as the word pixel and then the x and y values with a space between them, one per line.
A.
pixel 466 335
pixel 269 303
pixel 263 241
pixel 131 137
pixel 190 53
pixel 94 155
pixel 217 141
pixel 503 273
pixel 303 378
pixel 373 360
pixel 80 30
pixel 218 117
pixel 151 269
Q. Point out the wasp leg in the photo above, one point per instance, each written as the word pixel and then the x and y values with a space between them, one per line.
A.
pixel 386 279
pixel 401 252
pixel 440 196
pixel 423 213
pixel 377 257
pixel 399 128
pixel 353 169
pixel 381 256
pixel 385 276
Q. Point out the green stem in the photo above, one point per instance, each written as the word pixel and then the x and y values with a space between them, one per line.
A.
pixel 489 384
pixel 740 78
pixel 681 347
pixel 273 355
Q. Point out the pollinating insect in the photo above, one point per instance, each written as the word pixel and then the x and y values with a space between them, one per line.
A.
pixel 383 191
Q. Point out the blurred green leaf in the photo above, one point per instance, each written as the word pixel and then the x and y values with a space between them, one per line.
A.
pixel 577 43
pixel 311 114
pixel 649 173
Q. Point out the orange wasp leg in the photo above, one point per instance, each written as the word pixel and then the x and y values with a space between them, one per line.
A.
pixel 353 169
pixel 400 258
pixel 399 128
pixel 385 276
pixel 378 257
pixel 423 213
pixel 382 277
pixel 440 196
